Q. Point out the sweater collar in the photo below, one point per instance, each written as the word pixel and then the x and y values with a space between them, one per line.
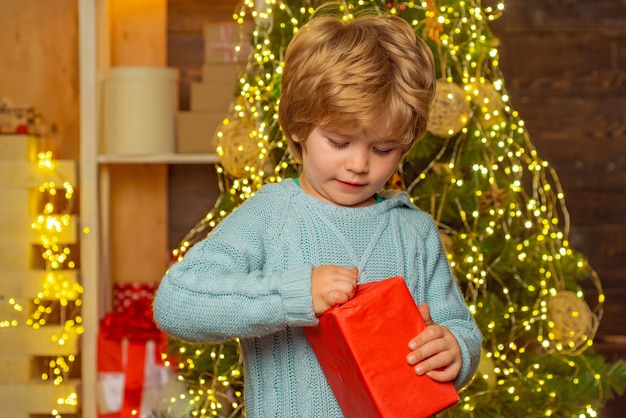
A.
pixel 391 199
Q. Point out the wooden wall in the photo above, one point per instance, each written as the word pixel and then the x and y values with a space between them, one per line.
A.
pixel 138 192
pixel 39 64
pixel 192 191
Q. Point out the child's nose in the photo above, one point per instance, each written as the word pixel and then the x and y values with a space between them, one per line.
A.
pixel 358 162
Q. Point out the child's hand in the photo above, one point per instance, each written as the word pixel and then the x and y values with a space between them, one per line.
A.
pixel 435 352
pixel 332 285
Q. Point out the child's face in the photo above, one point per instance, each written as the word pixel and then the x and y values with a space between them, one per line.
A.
pixel 347 170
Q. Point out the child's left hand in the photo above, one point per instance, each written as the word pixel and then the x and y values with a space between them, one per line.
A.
pixel 435 351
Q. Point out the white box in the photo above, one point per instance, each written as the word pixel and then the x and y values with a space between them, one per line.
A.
pixel 18 147
pixel 139 110
pixel 20 205
pixel 26 175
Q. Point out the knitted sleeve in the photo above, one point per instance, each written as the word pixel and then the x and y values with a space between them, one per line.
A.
pixel 447 305
pixel 220 290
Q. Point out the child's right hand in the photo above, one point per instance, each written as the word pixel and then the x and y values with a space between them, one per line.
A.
pixel 332 285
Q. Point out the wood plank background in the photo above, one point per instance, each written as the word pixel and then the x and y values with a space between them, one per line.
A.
pixel 137 208
pixel 39 65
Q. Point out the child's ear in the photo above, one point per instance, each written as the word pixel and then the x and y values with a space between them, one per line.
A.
pixel 295 138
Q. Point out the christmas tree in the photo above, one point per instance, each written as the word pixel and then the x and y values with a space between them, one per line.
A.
pixel 499 207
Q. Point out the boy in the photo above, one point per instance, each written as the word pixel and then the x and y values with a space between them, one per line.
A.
pixel 355 97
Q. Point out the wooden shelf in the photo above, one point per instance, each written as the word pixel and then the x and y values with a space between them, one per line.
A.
pixel 158 159
pixel 139 182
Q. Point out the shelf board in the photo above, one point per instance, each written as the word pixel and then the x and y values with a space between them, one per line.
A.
pixel 173 158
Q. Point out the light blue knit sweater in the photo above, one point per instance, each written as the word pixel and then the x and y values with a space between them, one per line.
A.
pixel 251 279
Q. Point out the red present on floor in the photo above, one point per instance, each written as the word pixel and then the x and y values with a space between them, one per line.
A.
pixel 130 369
pixel 362 347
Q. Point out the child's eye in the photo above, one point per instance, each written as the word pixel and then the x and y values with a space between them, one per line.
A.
pixel 380 151
pixel 336 144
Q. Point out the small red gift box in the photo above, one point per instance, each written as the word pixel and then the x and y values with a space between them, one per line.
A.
pixel 130 370
pixel 362 347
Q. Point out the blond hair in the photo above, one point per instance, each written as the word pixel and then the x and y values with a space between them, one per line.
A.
pixel 371 72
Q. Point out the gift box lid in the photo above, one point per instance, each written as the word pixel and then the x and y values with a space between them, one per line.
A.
pixel 362 347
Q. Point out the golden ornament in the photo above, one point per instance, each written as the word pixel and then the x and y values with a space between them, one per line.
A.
pixel 488 101
pixel 449 111
pixel 238 147
pixel 573 322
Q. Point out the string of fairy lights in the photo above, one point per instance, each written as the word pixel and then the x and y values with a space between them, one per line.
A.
pixel 59 299
pixel 58 292
pixel 483 182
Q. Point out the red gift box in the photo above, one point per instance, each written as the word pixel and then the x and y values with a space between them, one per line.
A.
pixel 130 370
pixel 362 347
